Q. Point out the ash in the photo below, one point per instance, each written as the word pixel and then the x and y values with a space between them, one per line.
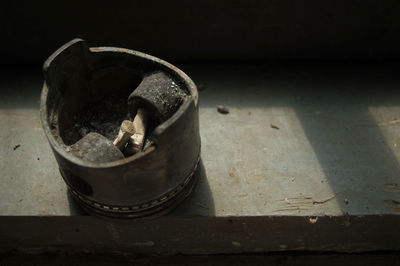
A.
pixel 103 117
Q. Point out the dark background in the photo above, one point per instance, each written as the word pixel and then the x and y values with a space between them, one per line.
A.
pixel 207 30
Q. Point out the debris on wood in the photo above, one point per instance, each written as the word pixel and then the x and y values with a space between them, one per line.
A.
pixel 274 126
pixel 323 201
pixel 298 203
pixel 222 109
pixel 16 146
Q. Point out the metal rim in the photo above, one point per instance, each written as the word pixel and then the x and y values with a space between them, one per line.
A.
pixel 157 207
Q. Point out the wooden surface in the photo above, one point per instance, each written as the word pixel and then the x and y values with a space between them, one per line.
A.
pixel 306 159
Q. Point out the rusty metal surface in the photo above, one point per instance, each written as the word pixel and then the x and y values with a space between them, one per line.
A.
pixel 79 80
pixel 299 140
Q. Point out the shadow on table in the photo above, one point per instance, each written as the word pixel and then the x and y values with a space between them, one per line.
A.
pixel 346 111
pixel 200 201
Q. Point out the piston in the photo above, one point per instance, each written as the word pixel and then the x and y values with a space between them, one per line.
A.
pixel 124 129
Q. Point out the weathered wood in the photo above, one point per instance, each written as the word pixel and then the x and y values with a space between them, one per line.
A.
pixel 203 235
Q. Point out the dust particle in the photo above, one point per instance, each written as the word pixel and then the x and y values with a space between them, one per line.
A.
pixel 222 109
pixel 236 244
pixel 16 146
pixel 274 126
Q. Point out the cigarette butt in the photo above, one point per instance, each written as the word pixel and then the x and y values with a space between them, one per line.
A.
pixel 125 132
pixel 137 139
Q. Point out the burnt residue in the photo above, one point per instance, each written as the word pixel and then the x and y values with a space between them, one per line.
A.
pixel 100 109
pixel 159 94
pixel 103 117
pixel 16 147
pixel 96 148
pixel 104 112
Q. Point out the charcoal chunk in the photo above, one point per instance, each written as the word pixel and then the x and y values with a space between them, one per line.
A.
pixel 157 93
pixel 96 148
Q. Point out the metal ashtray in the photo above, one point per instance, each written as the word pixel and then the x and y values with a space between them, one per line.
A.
pixel 124 128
